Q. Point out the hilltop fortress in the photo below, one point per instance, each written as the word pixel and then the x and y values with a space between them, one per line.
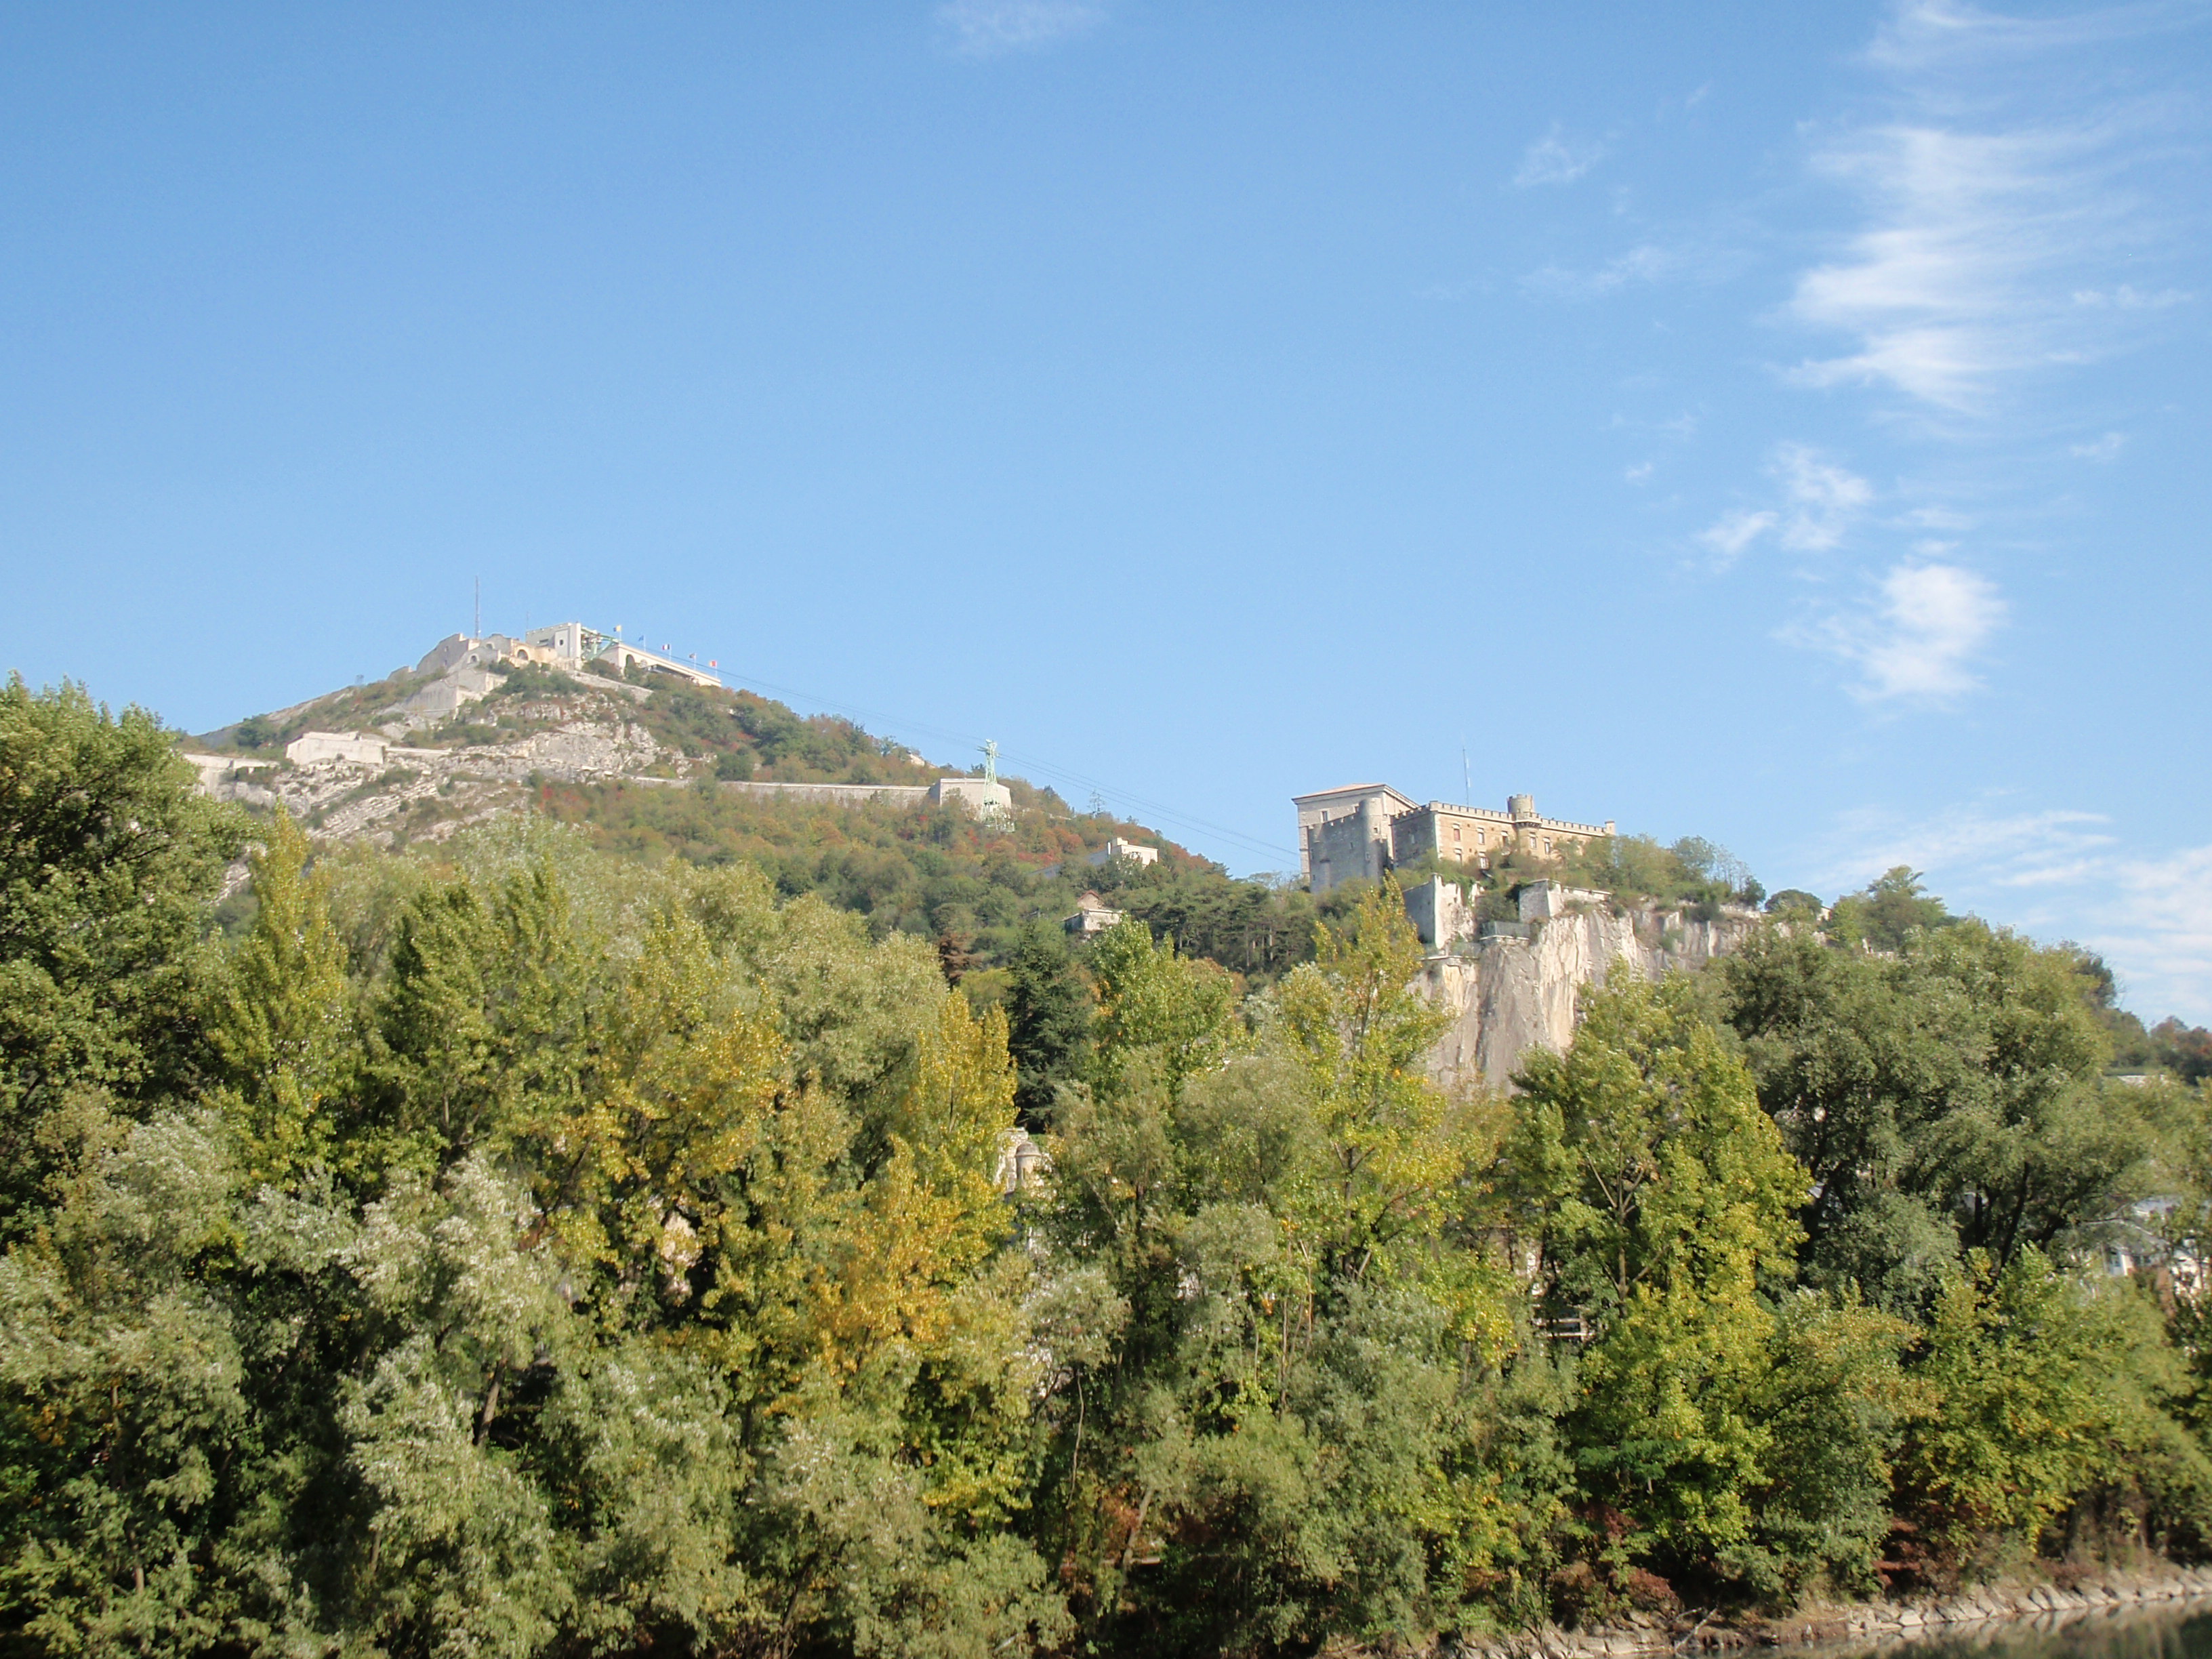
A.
pixel 570 646
pixel 467 666
pixel 404 765
pixel 1510 986
pixel 1357 832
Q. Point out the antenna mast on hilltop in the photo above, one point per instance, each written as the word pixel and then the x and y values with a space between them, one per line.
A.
pixel 1466 777
pixel 990 760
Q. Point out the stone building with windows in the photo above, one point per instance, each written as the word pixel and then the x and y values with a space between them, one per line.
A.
pixel 1344 835
pixel 1357 832
pixel 1092 915
pixel 359 748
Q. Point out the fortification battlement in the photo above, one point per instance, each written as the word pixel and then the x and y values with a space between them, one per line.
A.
pixel 1356 832
pixel 567 646
pixel 1512 814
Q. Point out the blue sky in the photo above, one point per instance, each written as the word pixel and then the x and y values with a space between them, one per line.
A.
pixel 1772 423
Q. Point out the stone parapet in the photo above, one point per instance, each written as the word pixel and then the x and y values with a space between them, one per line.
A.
pixel 831 794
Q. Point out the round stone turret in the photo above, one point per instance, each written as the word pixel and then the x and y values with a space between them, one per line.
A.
pixel 1522 807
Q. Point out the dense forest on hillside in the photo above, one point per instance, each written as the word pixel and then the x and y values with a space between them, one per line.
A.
pixel 974 886
pixel 524 1247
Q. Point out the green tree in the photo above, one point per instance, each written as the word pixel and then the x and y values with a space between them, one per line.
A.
pixel 122 1376
pixel 1853 1065
pixel 281 1017
pixel 1947 1098
pixel 2016 1411
pixel 1661 1195
pixel 1833 1404
pixel 485 1003
pixel 1157 1008
pixel 1303 1297
pixel 109 861
pixel 1403 1154
pixel 1891 909
pixel 1049 1012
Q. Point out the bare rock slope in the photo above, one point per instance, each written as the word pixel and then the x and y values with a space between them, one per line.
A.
pixel 1510 993
pixel 371 788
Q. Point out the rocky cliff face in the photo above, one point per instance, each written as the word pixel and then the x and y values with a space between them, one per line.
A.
pixel 1510 993
pixel 342 799
pixel 361 787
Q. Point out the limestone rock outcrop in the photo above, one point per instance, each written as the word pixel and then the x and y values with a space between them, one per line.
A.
pixel 358 785
pixel 1511 990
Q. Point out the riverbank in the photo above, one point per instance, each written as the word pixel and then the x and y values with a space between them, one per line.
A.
pixel 1871 1622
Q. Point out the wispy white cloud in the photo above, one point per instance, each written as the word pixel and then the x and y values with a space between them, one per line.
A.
pixel 1966 843
pixel 1989 223
pixel 1677 429
pixel 1639 473
pixel 1918 640
pixel 1938 518
pixel 2056 874
pixel 1731 534
pixel 2157 931
pixel 2001 190
pixel 1949 288
pixel 993 29
pixel 1555 159
pixel 1647 262
pixel 1824 498
pixel 2124 298
pixel 1820 503
pixel 1933 35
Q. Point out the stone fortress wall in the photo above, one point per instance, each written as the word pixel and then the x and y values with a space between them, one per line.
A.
pixel 1514 985
pixel 467 666
pixel 1357 832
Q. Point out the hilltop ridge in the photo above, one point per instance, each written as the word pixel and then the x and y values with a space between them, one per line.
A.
pixel 449 741
pixel 659 765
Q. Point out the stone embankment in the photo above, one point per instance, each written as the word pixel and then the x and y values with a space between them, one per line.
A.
pixel 1868 1624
